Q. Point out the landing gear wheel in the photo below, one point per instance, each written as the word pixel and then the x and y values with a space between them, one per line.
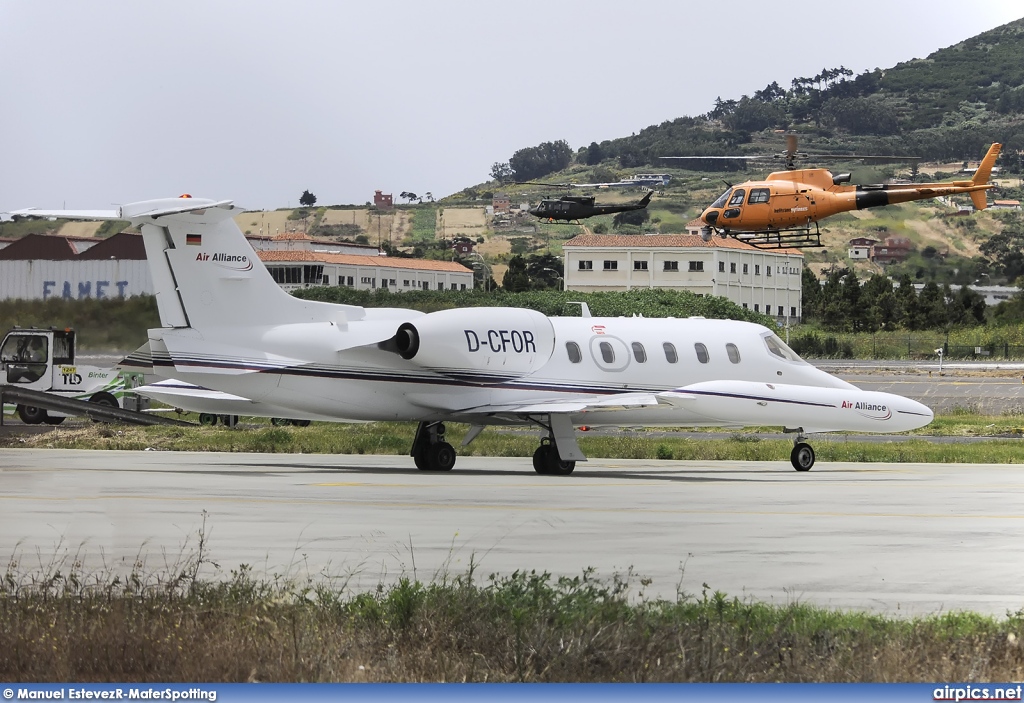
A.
pixel 540 459
pixel 275 421
pixel 802 457
pixel 546 461
pixel 31 415
pixel 207 419
pixel 51 420
pixel 435 457
pixel 301 423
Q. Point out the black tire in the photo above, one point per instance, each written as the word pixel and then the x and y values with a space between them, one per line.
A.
pixel 555 465
pixel 540 459
pixel 301 423
pixel 440 457
pixel 54 420
pixel 31 415
pixel 278 421
pixel 207 419
pixel 802 457
pixel 420 459
pixel 104 399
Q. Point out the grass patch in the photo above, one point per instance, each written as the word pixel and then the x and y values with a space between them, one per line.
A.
pixel 63 624
pixel 395 438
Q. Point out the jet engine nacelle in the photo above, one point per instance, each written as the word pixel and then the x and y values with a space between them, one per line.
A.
pixel 479 345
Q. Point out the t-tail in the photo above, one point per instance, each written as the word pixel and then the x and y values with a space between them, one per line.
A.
pixel 982 175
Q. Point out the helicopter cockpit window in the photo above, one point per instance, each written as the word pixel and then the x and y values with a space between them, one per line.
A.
pixel 722 199
pixel 758 195
pixel 737 197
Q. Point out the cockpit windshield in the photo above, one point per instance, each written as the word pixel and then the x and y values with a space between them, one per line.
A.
pixel 777 347
pixel 723 199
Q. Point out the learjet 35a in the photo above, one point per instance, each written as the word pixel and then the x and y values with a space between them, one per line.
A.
pixel 227 326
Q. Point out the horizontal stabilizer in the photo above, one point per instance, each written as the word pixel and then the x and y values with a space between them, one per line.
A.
pixel 69 214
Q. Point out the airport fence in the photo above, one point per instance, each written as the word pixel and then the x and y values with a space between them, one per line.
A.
pixel 888 345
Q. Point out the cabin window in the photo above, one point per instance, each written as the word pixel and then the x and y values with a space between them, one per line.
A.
pixel 737 197
pixel 639 265
pixel 671 265
pixel 573 350
pixel 670 352
pixel 733 351
pixel 731 212
pixel 697 266
pixel 702 353
pixel 586 265
pixel 607 353
pixel 611 265
pixel 758 195
pixel 639 353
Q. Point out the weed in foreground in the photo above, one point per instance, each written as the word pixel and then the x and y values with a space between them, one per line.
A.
pixel 60 624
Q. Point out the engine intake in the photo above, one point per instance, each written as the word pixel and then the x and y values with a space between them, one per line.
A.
pixel 478 345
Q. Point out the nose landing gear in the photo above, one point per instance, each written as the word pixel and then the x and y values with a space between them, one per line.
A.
pixel 802 456
pixel 546 460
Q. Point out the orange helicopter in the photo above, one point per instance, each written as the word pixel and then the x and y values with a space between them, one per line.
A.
pixel 779 211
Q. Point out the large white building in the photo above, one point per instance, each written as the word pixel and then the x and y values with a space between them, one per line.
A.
pixel 763 280
pixel 50 266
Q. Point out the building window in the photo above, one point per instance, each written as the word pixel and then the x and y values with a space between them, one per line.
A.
pixel 351 280
pixel 721 267
pixel 383 283
pixel 607 353
pixel 757 269
pixel 781 311
pixel 425 285
pixel 733 351
pixel 745 269
pixel 366 280
pixel 611 265
pixel 462 286
pixel 639 353
pixel 670 352
pixel 702 353
pixel 455 287
pixel 639 265
pixel 744 306
pixel 671 265
pixel 792 312
pixel 573 350
pixel 405 283
pixel 768 271
pixel 440 285
pixel 732 268
pixel 756 305
pixel 326 280
pixel 586 266
pixel 392 282
pixel 696 265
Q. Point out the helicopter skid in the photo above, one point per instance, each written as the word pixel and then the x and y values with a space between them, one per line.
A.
pixel 799 237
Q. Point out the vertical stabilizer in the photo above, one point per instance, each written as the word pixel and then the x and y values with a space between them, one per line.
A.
pixel 981 176
pixel 206 274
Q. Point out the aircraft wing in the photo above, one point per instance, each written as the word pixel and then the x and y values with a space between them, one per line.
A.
pixel 69 214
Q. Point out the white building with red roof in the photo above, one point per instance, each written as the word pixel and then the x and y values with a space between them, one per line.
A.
pixel 763 280
pixel 299 269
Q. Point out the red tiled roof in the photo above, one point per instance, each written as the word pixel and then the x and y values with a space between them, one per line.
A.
pixel 358 260
pixel 653 241
pixel 122 245
pixel 39 246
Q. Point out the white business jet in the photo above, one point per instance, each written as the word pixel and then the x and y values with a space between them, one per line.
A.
pixel 227 326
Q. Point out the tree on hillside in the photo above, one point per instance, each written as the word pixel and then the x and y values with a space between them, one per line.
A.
pixel 539 161
pixel 594 155
pixel 1006 251
pixel 307 199
pixel 502 172
pixel 408 195
pixel 631 217
pixel 516 279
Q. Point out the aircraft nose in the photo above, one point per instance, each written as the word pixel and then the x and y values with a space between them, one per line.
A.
pixel 913 414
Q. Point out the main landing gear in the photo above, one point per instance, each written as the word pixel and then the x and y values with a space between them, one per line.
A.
pixel 430 451
pixel 547 461
pixel 802 456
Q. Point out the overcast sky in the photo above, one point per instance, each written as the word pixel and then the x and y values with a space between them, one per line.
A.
pixel 106 102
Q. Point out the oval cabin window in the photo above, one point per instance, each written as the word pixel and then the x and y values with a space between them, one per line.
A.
pixel 573 349
pixel 733 351
pixel 670 352
pixel 607 353
pixel 639 353
pixel 702 353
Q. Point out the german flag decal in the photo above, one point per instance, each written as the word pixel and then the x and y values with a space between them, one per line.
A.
pixel 196 239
